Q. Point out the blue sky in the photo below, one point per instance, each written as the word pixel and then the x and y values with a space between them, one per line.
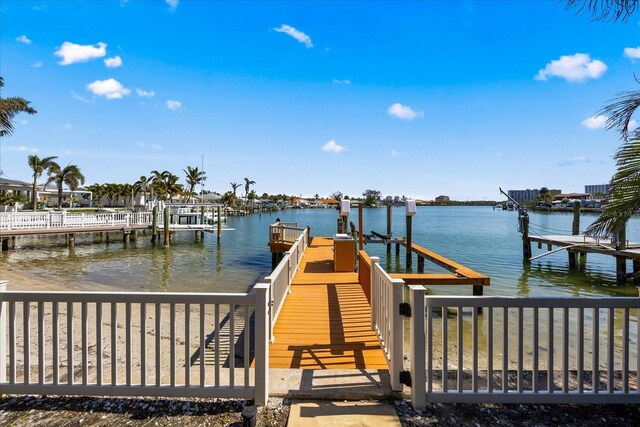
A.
pixel 409 98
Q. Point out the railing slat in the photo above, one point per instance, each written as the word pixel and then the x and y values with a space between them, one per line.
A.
pixel 128 343
pixel 429 333
pixel 41 349
pixel 26 320
pixel 187 345
pixel 460 370
pixel 201 353
pixel 580 350
pixel 445 349
pixel 565 350
pixel 85 343
pixel 550 371
pixel 70 362
pixel 474 333
pixel 625 351
pixel 216 331
pixel 158 353
pixel 143 344
pixel 520 384
pixel 114 344
pixel 490 350
pixel 12 343
pixel 247 344
pixel 232 347
pixel 172 346
pixel 595 340
pixel 610 344
pixel 99 343
pixel 536 348
pixel 505 349
pixel 55 333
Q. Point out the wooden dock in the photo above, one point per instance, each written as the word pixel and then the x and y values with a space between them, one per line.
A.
pixel 325 322
pixel 580 245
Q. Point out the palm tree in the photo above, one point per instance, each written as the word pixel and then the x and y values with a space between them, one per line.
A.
pixel 97 193
pixel 9 108
pixel 172 186
pixel 142 184
pixel 70 175
pixel 247 183
pixel 235 186
pixel 624 195
pixel 194 177
pixel 39 166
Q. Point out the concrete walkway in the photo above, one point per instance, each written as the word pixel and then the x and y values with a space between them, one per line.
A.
pixel 338 414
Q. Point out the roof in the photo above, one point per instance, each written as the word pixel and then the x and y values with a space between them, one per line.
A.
pixel 13 182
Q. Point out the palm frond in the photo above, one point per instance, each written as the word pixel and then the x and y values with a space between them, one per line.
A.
pixel 605 10
pixel 624 196
pixel 620 111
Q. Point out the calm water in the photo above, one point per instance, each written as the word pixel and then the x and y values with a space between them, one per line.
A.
pixel 479 237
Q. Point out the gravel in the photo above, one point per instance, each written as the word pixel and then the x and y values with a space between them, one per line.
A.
pixel 112 412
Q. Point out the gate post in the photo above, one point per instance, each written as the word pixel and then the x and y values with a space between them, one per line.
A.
pixel 417 343
pixel 396 345
pixel 261 291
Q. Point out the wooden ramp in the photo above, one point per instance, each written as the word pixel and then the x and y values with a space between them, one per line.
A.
pixel 325 322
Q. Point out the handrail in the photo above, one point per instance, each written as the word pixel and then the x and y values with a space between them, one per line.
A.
pixel 282 275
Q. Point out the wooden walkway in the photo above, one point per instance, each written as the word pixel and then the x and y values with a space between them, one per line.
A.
pixel 325 322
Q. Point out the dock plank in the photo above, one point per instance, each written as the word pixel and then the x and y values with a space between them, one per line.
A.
pixel 325 322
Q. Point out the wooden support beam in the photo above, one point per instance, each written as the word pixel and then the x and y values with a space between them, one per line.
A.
pixel 636 271
pixel 572 259
pixel 575 226
pixel 409 252
pixel 154 224
pixel 389 230
pixel 166 227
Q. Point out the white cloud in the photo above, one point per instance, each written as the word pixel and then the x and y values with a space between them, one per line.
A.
pixel 595 122
pixel 332 147
pixel 342 82
pixel 632 53
pixel 633 124
pixel 157 147
pixel 403 112
pixel 37 64
pixel 23 39
pixel 174 105
pixel 396 153
pixel 114 62
pixel 573 68
pixel 574 161
pixel 22 149
pixel 296 34
pixel 500 155
pixel 72 53
pixel 145 93
pixel 110 89
pixel 23 122
pixel 172 4
pixel 79 98
pixel 68 126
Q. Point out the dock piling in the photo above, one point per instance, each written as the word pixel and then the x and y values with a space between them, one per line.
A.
pixel 389 231
pixel 166 227
pixel 621 270
pixel 409 244
pixel 219 223
pixel 575 227
pixel 526 243
pixel 154 224
pixel 5 244
pixel 636 271
pixel 360 228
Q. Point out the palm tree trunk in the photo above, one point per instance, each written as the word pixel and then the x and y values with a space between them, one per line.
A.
pixel 60 196
pixel 35 194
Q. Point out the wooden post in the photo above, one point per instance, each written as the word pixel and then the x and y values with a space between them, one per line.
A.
pixel 133 235
pixel 202 215
pixel 409 243
pixel 389 229
pixel 154 224
pixel 420 264
pixel 5 244
pixel 360 228
pixel 166 227
pixel 397 250
pixel 575 229
pixel 526 243
pixel 621 270
pixel 622 238
pixel 219 223
pixel 636 271
pixel 572 259
pixel 583 258
pixel 72 240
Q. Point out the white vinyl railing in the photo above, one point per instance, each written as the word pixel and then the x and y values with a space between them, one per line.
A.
pixel 281 277
pixel 286 232
pixel 386 320
pixel 523 349
pixel 133 344
pixel 63 219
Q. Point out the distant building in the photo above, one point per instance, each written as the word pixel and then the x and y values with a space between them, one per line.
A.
pixel 527 195
pixel 442 199
pixel 597 189
pixel 572 196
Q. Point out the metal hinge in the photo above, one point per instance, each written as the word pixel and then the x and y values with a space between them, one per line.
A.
pixel 405 309
pixel 405 378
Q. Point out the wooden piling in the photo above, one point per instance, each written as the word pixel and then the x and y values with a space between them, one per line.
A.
pixel 575 228
pixel 5 244
pixel 526 243
pixel 572 259
pixel 389 230
pixel 420 264
pixel 621 270
pixel 360 228
pixel 409 245
pixel 166 227
pixel 219 223
pixel 636 271
pixel 154 224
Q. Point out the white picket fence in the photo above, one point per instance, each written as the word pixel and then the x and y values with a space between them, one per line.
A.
pixel 134 344
pixel 491 349
pixel 63 219
pixel 281 277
